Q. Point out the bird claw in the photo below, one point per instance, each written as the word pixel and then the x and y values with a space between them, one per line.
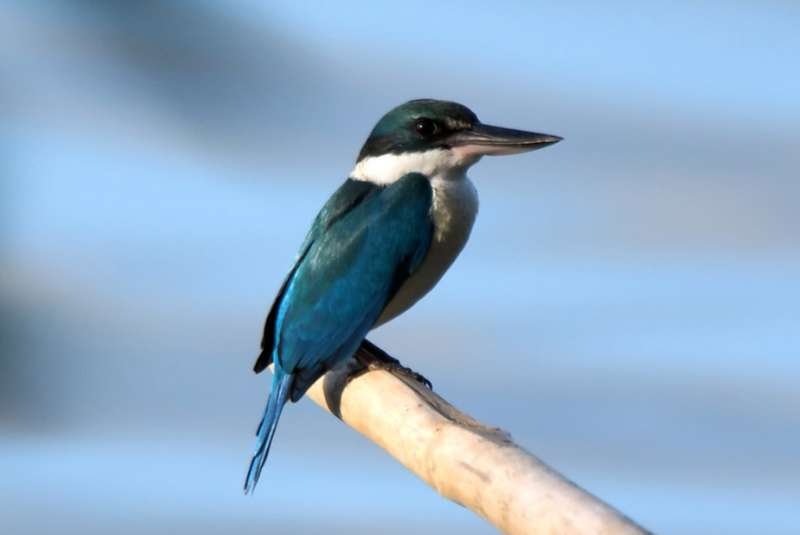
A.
pixel 374 358
pixel 403 372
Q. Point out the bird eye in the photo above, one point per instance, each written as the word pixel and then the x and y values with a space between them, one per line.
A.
pixel 425 127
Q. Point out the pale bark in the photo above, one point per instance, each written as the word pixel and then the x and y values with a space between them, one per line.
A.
pixel 474 465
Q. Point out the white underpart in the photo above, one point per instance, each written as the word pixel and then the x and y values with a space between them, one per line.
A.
pixel 455 205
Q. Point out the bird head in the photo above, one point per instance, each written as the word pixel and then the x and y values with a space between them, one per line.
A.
pixel 438 139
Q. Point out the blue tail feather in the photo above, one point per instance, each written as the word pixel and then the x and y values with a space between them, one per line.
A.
pixel 281 388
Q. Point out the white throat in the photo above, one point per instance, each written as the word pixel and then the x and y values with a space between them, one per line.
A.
pixel 437 164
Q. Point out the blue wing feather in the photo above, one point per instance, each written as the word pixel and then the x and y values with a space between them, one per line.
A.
pixel 363 245
pixel 348 274
pixel 349 195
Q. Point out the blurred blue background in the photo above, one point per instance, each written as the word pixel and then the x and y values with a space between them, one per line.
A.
pixel 160 163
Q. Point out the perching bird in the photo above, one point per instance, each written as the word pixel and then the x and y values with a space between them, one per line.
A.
pixel 379 244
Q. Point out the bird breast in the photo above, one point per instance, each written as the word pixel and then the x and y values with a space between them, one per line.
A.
pixel 453 211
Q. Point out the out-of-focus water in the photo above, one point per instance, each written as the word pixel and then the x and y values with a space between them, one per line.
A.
pixel 627 306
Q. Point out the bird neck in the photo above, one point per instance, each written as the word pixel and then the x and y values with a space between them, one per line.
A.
pixel 436 164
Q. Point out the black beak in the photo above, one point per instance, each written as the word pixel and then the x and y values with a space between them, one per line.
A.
pixel 494 140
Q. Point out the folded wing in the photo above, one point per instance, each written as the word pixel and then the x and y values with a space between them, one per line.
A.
pixel 364 244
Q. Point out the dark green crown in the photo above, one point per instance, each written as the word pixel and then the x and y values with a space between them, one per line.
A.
pixel 417 125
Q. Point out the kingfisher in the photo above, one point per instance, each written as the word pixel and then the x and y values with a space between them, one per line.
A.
pixel 378 245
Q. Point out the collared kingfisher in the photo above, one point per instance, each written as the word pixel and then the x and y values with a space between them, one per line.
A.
pixel 378 245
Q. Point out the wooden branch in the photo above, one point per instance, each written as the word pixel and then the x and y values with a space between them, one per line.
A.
pixel 474 465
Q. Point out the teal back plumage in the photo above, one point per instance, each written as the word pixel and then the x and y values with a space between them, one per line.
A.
pixel 365 242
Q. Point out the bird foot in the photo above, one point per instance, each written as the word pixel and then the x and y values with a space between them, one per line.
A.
pixel 374 358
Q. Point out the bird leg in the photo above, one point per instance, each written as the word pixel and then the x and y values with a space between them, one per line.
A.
pixel 368 357
pixel 374 358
